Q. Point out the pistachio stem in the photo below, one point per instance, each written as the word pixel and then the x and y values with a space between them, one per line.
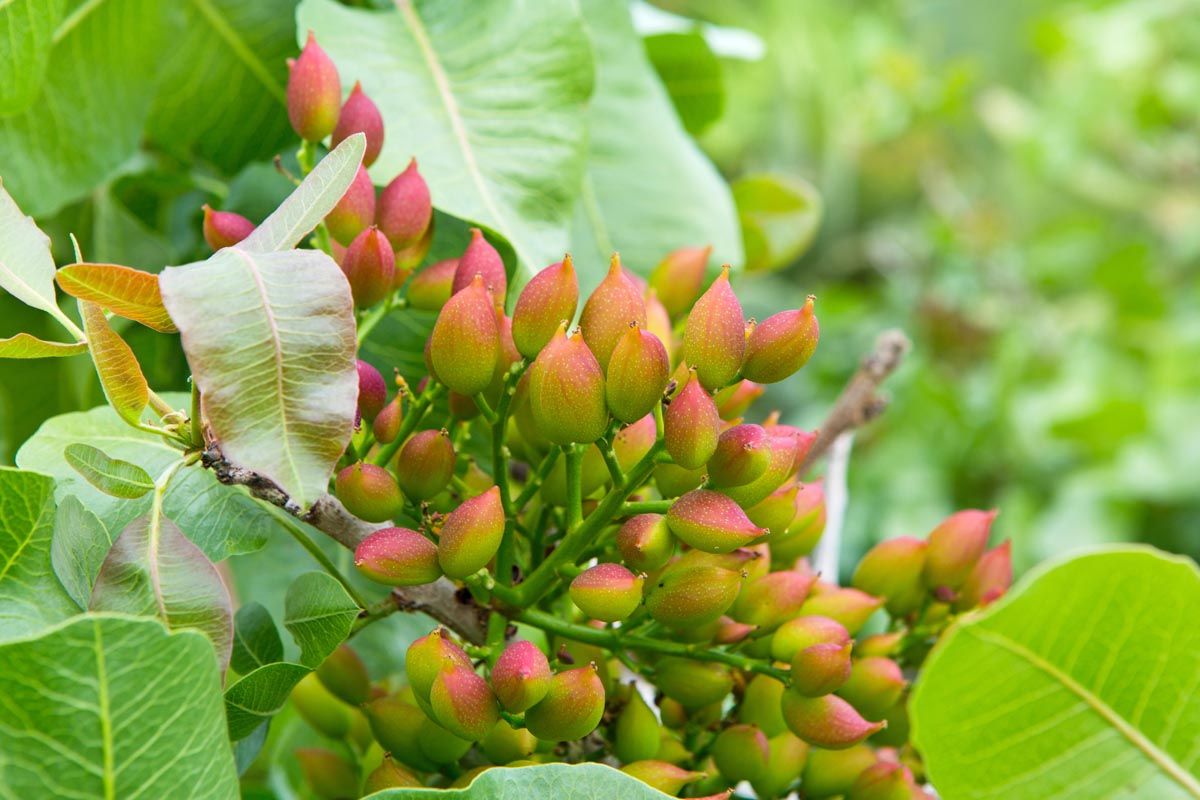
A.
pixel 289 524
pixel 536 479
pixel 574 486
pixel 646 507
pixel 419 407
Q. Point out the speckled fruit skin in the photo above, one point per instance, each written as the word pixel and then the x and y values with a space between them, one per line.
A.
pixel 741 752
pixel 429 655
pixel 637 374
pixel 955 546
pixel 742 454
pixel 610 309
pixel 645 542
pixel 874 685
pixel 662 775
pixel 398 557
pixel 820 668
pixel 404 210
pixel 692 595
pixel 773 599
pixel 710 521
pixel 607 592
pixel 359 114
pixel 781 344
pixel 714 336
pixel 465 343
pixel 827 721
pixel 425 464
pixel 851 607
pixel 314 93
pixel 571 709
pixel 224 228
pixel 892 570
pixel 372 391
pixel 463 703
pixel 355 212
pixel 370 266
pixel 521 676
pixel 480 258
pixel 989 579
pixel 566 392
pixel 678 277
pixel 471 534
pixel 801 632
pixel 369 492
pixel 430 288
pixel 549 299
pixel 692 425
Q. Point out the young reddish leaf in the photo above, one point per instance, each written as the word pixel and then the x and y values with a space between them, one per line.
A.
pixel 120 375
pixel 124 291
pixel 109 475
pixel 25 345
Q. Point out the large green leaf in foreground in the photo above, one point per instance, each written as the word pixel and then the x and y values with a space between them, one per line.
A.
pixel 543 782
pixel 488 95
pixel 1082 683
pixel 114 707
pixel 30 596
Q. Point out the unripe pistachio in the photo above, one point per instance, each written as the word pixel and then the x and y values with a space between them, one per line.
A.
pixel 781 344
pixel 636 734
pixel 398 557
pixel 714 337
pixel 430 288
pixel 370 266
pixel 734 401
pixel 827 721
pixel 386 426
pixel 314 92
pixel 396 725
pixel 440 745
pixel 389 775
pixel 785 444
pixel 673 714
pixel 320 708
pixel 693 595
pixel 678 277
pixel 505 744
pixel 730 631
pixel 802 632
pixel 830 773
pixel 773 599
pixel 632 442
pixel 777 512
pixel 607 592
pixel 788 755
pixel 851 607
pixel 892 570
pixel 593 475
pixel 742 455
pixel 658 322
pixel 879 644
pixel 566 391
pixel 425 464
pixel 637 374
pixel 989 579
pixel 661 775
pixel 692 425
pixel 480 258
pixel 883 780
pixel 671 749
pixel 345 675
pixel 404 211
pixel 694 684
pixel 760 705
pixel 712 522
pixel 355 212
pixel 359 114
pixel 820 668
pixel 609 310
pixel 521 676
pixel 471 534
pixel 428 656
pixel 955 546
pixel 329 775
pixel 465 343
pixel 372 391
pixel 673 480
pixel 369 492
pixel 463 703
pixel 550 297
pixel 571 709
pixel 874 686
pixel 741 753
pixel 806 528
pixel 224 228
pixel 594 656
pixel 645 542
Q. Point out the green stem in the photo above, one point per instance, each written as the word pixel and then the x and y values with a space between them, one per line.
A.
pixel 485 408
pixel 197 424
pixel 160 406
pixel 613 640
pixel 574 486
pixel 610 461
pixel 506 557
pixel 646 507
pixel 317 553
pixel 421 405
pixel 374 612
pixel 536 479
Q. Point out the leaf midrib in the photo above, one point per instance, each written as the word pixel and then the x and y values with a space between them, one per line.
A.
pixel 1157 756
pixel 239 47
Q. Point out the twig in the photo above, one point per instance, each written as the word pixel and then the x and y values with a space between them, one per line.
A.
pixel 837 497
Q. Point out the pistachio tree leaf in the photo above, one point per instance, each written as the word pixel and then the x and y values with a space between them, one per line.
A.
pixel 109 475
pixel 691 74
pixel 270 339
pixel 318 612
pixel 79 547
pixel 1083 682
pixel 488 95
pixel 256 641
pixel 27 28
pixel 31 598
pixel 120 375
pixel 637 141
pixel 112 706
pixel 259 695
pixel 780 217
pixel 312 200
pixel 25 345
pixel 125 291
pixel 221 520
pixel 26 267
pixel 540 782
pixel 154 570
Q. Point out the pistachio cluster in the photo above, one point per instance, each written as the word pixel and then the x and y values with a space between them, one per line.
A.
pixel 637 546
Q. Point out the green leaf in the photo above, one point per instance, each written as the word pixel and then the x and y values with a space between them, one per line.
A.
pixel 780 218
pixel 221 520
pixel 109 475
pixel 25 345
pixel 116 707
pixel 691 74
pixel 79 547
pixel 120 374
pixel 1081 683
pixel 259 695
pixel 224 82
pixel 312 200
pixel 541 782
pixel 30 596
pixel 648 189
pixel 270 339
pixel 154 570
pixel 318 613
pixel 124 291
pixel 488 95
pixel 27 27
pixel 256 641
pixel 87 120
pixel 26 268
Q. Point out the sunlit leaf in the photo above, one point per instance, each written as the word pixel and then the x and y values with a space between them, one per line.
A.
pixel 27 28
pixel 26 268
pixel 109 475
pixel 780 217
pixel 25 345
pixel 124 291
pixel 691 73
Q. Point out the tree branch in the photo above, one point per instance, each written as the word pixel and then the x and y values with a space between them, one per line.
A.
pixel 860 402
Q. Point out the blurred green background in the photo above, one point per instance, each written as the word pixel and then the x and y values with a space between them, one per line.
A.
pixel 1016 185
